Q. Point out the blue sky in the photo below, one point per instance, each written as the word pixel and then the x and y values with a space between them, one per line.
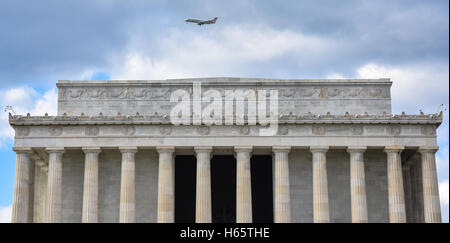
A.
pixel 43 41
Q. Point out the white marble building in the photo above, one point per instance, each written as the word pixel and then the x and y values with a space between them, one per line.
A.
pixel 339 155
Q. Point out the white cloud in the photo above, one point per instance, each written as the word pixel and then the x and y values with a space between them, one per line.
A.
pixel 228 51
pixel 416 86
pixel 25 100
pixel 5 214
pixel 443 192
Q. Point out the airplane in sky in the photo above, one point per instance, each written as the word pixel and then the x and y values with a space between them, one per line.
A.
pixel 201 22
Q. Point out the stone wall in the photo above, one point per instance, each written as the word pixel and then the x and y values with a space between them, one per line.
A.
pixel 148 97
pixel 338 172
pixel 109 185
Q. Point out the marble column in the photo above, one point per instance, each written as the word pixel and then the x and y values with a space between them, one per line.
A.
pixel 21 196
pixel 243 184
pixel 53 209
pixel 358 185
pixel 282 200
pixel 203 186
pixel 407 185
pixel 40 189
pixel 166 194
pixel 321 208
pixel 90 186
pixel 397 211
pixel 127 185
pixel 430 187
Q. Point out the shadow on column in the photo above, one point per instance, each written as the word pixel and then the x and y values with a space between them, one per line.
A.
pixel 223 189
pixel 185 176
pixel 262 190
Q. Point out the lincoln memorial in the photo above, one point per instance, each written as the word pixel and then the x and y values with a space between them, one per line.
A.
pixel 182 150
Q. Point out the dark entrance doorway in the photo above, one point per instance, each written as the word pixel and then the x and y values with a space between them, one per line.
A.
pixel 262 190
pixel 223 189
pixel 185 173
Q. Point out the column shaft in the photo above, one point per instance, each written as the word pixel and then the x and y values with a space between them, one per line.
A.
pixel 243 185
pixel 407 192
pixel 203 187
pixel 90 187
pixel 320 185
pixel 127 185
pixel 166 194
pixel 282 191
pixel 358 185
pixel 432 209
pixel 54 186
pixel 397 211
pixel 20 206
pixel 40 190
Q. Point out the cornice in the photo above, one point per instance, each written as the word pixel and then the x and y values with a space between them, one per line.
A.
pixel 158 119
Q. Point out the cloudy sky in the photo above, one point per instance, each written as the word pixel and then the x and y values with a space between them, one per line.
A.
pixel 43 41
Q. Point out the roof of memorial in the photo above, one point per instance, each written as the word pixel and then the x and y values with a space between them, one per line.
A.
pixel 223 80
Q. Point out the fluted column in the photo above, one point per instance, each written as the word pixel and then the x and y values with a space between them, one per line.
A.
pixel 282 191
pixel 432 209
pixel 40 190
pixel 54 186
pixel 358 185
pixel 20 206
pixel 90 186
pixel 406 167
pixel 321 208
pixel 243 184
pixel 166 194
pixel 127 185
pixel 203 187
pixel 397 211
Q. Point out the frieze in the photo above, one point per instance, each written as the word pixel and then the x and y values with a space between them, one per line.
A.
pixel 357 130
pixel 99 93
pixel 91 131
pixel 55 131
pixel 244 130
pixel 286 130
pixel 394 130
pixel 161 93
pixel 283 130
pixel 22 131
pixel 203 130
pixel 318 129
pixel 128 130
pixel 165 130
pixel 428 130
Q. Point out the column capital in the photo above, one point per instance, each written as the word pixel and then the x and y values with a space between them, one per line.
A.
pixel 25 150
pixel 322 149
pixel 428 149
pixel 128 149
pixel 165 149
pixel 248 149
pixel 91 149
pixel 203 149
pixel 55 149
pixel 393 149
pixel 360 149
pixel 277 149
